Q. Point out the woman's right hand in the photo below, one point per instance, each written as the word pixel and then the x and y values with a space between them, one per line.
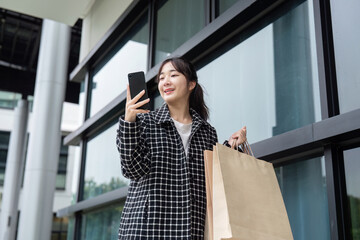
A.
pixel 132 105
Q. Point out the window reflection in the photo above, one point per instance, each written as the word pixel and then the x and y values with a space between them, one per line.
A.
pixel 4 147
pixel 9 99
pixel 352 169
pixel 225 5
pixel 347 52
pixel 177 21
pixel 110 79
pixel 269 81
pixel 102 223
pixel 62 167
pixel 303 186
pixel 158 101
pixel 71 228
pixel 102 168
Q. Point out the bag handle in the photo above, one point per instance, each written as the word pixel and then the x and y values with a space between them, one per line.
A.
pixel 245 146
pixel 248 148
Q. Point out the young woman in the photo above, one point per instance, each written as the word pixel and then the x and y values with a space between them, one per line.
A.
pixel 162 153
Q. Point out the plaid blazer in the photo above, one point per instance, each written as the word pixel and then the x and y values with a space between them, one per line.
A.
pixel 167 196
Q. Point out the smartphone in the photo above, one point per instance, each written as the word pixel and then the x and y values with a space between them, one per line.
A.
pixel 137 84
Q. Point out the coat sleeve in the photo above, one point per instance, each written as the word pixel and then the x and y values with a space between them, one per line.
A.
pixel 214 137
pixel 134 153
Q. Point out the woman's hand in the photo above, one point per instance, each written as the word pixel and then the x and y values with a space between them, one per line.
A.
pixel 132 105
pixel 238 137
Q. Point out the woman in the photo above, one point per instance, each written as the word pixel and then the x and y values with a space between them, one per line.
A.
pixel 162 153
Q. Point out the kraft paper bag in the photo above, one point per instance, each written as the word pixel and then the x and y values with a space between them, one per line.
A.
pixel 208 160
pixel 246 199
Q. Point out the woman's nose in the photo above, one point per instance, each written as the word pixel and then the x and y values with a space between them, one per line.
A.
pixel 167 80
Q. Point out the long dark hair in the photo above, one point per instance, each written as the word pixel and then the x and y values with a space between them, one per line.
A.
pixel 196 99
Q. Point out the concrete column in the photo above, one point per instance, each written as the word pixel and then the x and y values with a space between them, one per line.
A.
pixel 36 214
pixel 14 172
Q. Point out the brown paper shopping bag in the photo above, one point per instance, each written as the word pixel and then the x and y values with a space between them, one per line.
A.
pixel 247 203
pixel 208 160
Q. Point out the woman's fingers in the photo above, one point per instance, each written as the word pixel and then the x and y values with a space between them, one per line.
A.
pixel 239 137
pixel 232 143
pixel 139 104
pixel 128 97
pixel 240 141
pixel 136 111
pixel 132 105
pixel 136 98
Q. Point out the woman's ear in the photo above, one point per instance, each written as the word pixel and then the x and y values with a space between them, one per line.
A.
pixel 192 85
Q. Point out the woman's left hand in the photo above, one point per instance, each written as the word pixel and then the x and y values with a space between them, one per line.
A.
pixel 238 137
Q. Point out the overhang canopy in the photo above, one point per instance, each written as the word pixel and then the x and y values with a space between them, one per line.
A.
pixel 64 11
pixel 19 48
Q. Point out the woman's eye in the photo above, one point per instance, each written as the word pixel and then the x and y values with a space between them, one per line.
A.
pixel 174 75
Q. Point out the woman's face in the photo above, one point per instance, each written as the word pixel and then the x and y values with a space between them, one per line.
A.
pixel 173 86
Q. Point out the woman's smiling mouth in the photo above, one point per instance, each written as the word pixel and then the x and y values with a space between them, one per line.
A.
pixel 169 90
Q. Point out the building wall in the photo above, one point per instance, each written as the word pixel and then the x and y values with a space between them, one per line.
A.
pixel 97 22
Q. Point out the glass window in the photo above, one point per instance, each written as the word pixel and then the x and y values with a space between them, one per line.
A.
pixel 158 100
pixel 30 102
pixel 102 168
pixel 59 228
pixel 352 176
pixel 62 165
pixel 303 186
pixel 82 98
pixel 71 228
pixel 225 5
pixel 61 173
pixel 269 81
pixel 9 99
pixel 347 52
pixel 110 78
pixel 4 146
pixel 177 21
pixel 102 223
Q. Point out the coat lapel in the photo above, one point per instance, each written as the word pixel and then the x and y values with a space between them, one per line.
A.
pixel 163 116
pixel 197 121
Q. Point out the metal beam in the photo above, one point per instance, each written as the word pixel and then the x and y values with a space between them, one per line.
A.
pixel 345 128
pixel 14 80
pixel 14 41
pixel 19 81
pixel 96 202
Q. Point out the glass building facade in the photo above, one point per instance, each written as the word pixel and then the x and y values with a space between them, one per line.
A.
pixel 62 165
pixel 4 147
pixel 285 69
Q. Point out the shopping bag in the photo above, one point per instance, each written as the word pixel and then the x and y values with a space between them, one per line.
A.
pixel 208 161
pixel 246 199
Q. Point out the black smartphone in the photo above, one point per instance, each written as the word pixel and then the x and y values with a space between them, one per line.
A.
pixel 137 84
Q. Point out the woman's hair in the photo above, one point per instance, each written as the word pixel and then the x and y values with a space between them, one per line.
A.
pixel 196 99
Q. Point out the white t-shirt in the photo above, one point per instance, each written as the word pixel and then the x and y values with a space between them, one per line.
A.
pixel 184 131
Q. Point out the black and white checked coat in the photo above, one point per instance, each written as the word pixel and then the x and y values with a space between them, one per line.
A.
pixel 167 195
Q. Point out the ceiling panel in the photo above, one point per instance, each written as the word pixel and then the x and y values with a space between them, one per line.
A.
pixel 64 11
